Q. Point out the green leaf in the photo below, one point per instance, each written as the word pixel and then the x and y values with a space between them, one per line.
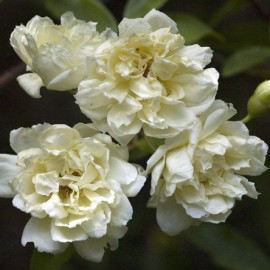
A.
pixel 138 8
pixel 144 147
pixel 46 261
pixel 228 247
pixel 87 10
pixel 241 35
pixel 227 8
pixel 191 28
pixel 245 59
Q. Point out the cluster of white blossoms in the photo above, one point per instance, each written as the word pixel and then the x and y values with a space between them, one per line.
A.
pixel 198 175
pixel 147 79
pixel 75 183
pixel 57 55
pixel 143 82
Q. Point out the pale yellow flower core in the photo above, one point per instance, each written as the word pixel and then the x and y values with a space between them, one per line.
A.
pixel 64 192
pixel 134 58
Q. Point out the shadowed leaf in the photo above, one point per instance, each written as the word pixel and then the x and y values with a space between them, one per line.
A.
pixel 84 9
pixel 228 247
pixel 138 8
pixel 46 261
pixel 192 28
pixel 245 59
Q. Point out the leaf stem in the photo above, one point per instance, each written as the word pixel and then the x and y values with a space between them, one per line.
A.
pixel 246 119
pixel 152 147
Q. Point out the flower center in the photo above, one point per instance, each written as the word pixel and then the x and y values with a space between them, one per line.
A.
pixel 64 192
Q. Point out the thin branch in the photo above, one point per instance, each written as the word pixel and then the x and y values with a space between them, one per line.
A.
pixel 246 119
pixel 261 10
pixel 11 74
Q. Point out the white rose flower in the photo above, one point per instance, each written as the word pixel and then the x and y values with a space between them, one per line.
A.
pixel 56 54
pixel 147 78
pixel 75 182
pixel 197 176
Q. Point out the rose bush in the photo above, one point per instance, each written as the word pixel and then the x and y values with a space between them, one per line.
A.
pixel 147 79
pixel 75 182
pixel 197 176
pixel 57 55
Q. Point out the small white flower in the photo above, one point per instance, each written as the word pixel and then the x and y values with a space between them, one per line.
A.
pixel 75 182
pixel 197 176
pixel 56 54
pixel 147 79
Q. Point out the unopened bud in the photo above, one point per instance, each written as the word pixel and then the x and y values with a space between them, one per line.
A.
pixel 259 103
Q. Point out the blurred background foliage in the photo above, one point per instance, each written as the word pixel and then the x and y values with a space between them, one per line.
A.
pixel 239 33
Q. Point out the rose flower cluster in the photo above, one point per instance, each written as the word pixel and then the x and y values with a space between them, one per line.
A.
pixel 141 83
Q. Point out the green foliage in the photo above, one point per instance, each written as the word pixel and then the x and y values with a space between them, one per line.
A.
pixel 192 28
pixel 144 147
pixel 138 8
pixel 46 261
pixel 242 34
pixel 229 248
pixel 245 59
pixel 89 10
pixel 228 7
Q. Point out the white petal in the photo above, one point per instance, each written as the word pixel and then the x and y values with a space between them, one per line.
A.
pixel 158 154
pixel 135 186
pixel 172 218
pixel 179 166
pixel 191 195
pixel 97 226
pixel 163 68
pixel 86 130
pixel 46 183
pixel 25 138
pixel 115 232
pixel 125 134
pixel 201 89
pixel 53 208
pixel 213 122
pixel 92 249
pixel 8 171
pixel 68 220
pixel 195 211
pixel 216 218
pixel 217 204
pixel 259 149
pixel 156 175
pixel 38 231
pixel 129 176
pixel 122 213
pixel 19 202
pixel 65 234
pixel 31 83
pixel 124 113
pixel 122 171
pixel 198 57
pixel 159 20
pixel 67 80
pixel 250 188
pixel 216 144
pixel 128 27
pixel 215 116
pixel 58 137
pixel 143 89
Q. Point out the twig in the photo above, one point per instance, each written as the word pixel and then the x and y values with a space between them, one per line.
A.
pixel 263 13
pixel 11 74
